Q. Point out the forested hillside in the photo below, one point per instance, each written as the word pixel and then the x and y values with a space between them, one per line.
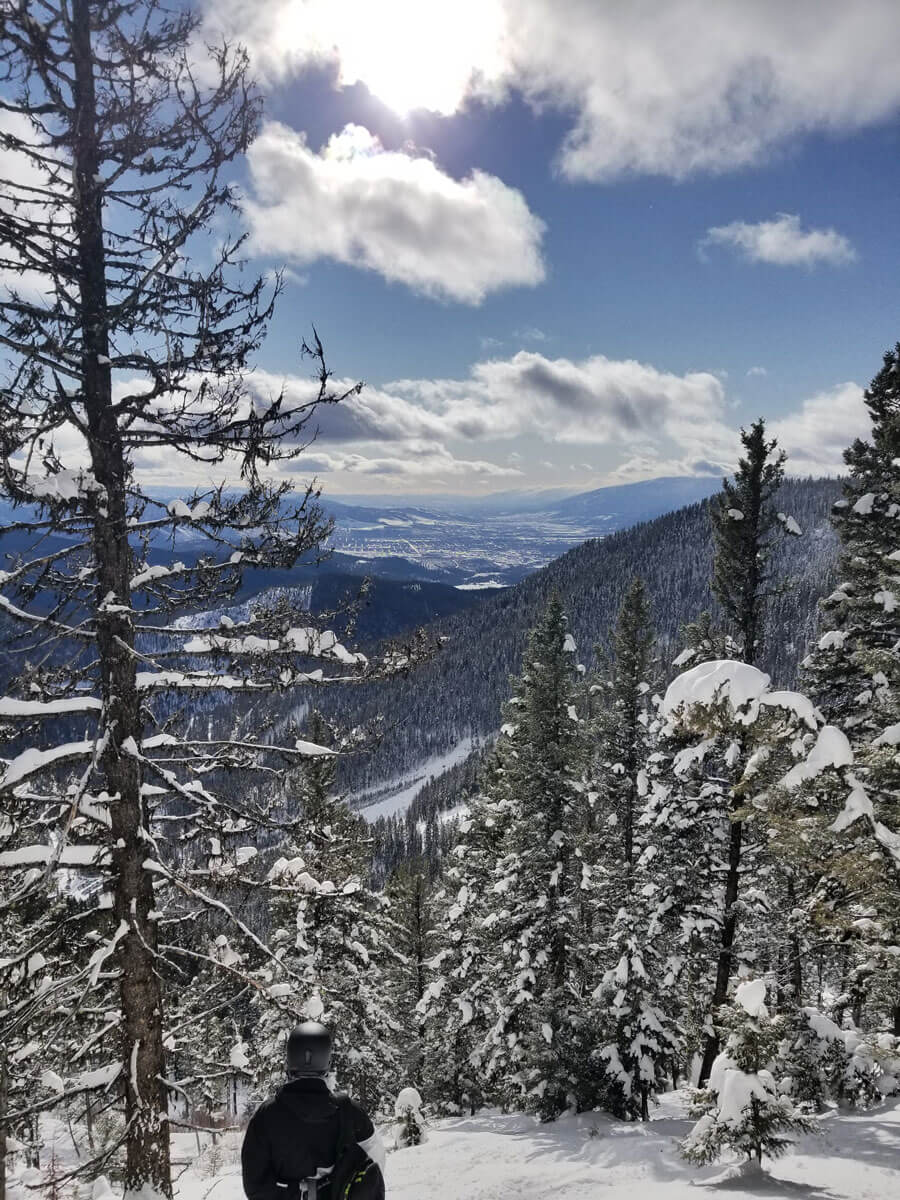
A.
pixel 459 694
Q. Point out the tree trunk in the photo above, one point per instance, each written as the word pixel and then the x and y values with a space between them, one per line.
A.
pixel 147 1143
pixel 725 961
pixel 3 1108
pixel 794 953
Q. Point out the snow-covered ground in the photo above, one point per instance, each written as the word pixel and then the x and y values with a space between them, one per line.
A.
pixel 591 1157
pixel 396 796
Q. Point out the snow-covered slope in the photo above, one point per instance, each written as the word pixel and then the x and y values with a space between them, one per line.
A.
pixel 591 1157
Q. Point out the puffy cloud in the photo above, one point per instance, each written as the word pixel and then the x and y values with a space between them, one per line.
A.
pixel 757 373
pixel 783 242
pixel 816 436
pixel 593 401
pixel 667 89
pixel 418 461
pixel 391 212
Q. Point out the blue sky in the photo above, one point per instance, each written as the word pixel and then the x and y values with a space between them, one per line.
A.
pixel 629 228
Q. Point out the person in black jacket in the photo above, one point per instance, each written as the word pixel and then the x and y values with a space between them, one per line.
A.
pixel 307 1143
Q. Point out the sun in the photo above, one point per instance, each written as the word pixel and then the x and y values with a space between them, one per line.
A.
pixel 418 54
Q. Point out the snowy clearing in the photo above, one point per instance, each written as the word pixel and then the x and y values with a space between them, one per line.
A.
pixel 496 1157
pixel 398 795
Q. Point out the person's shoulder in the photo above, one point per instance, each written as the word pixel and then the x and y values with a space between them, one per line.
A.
pixel 262 1110
pixel 362 1122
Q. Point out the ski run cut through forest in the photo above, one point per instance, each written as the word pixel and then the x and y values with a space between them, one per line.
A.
pixel 626 921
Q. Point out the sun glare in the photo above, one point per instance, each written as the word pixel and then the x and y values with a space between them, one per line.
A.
pixel 417 54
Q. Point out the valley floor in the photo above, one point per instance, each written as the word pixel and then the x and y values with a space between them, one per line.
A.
pixel 496 1157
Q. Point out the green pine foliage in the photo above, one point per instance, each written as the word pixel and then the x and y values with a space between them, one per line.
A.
pixel 541 972
pixel 741 1109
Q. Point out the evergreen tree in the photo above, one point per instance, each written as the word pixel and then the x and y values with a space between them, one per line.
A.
pixel 332 940
pixel 744 524
pixel 624 720
pixel 126 344
pixel 741 1106
pixel 850 842
pixel 458 1004
pixel 638 1003
pixel 542 974
pixel 414 939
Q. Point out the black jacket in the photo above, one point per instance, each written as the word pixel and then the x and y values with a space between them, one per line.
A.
pixel 293 1134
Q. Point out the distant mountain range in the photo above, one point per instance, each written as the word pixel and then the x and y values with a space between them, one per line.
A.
pixel 503 537
pixel 458 696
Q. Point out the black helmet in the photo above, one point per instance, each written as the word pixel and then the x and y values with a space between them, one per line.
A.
pixel 308 1049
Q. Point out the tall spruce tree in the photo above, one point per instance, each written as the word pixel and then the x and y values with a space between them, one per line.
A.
pixel 458 1004
pixel 541 971
pixel 413 935
pixel 848 837
pixel 624 719
pixel 745 525
pixel 333 942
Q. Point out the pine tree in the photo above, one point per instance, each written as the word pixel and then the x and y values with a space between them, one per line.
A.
pixel 851 841
pixel 638 1008
pixel 624 720
pixel 741 1106
pixel 744 524
pixel 414 939
pixel 332 939
pixel 541 976
pixel 124 345
pixel 458 1003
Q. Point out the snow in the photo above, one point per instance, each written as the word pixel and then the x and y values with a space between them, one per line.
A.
pixel 863 506
pixel 480 585
pixel 745 688
pixel 408 1098
pixel 78 855
pixel 492 1156
pixel 711 682
pixel 65 484
pixel 832 749
pixel 400 792
pixel 751 996
pixel 833 640
pixel 11 707
pixel 790 525
pixel 30 761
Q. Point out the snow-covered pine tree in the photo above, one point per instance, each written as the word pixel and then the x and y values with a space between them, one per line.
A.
pixel 332 941
pixel 623 722
pixel 730 739
pixel 742 1110
pixel 458 1003
pixel 850 839
pixel 413 934
pixel 541 969
pixel 638 1006
pixel 123 345
pixel 745 528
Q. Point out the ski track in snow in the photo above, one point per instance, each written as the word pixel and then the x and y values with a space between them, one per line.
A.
pixel 592 1157
pixel 409 785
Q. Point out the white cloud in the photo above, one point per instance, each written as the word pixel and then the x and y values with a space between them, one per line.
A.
pixel 757 373
pixel 596 400
pixel 417 461
pixel 391 212
pixel 668 89
pixel 783 242
pixel 816 436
